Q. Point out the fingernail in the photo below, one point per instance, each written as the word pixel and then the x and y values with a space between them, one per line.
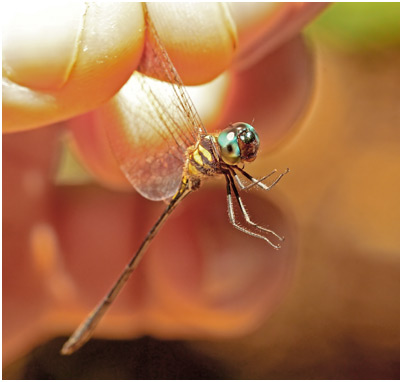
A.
pixel 40 42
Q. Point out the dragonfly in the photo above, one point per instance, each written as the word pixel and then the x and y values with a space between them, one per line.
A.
pixel 169 154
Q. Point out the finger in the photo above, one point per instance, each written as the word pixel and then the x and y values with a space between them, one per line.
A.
pixel 53 72
pixel 264 27
pixel 200 38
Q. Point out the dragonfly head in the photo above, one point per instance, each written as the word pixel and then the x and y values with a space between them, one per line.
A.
pixel 238 143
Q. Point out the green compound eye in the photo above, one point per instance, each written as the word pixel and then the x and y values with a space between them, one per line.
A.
pixel 238 142
pixel 230 150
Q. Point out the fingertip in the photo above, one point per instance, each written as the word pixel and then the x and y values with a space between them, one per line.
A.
pixel 200 38
pixel 41 42
pixel 107 51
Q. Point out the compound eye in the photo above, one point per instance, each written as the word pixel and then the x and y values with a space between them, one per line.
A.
pixel 228 143
pixel 248 141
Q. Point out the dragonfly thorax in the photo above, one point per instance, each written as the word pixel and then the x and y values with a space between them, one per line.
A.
pixel 202 158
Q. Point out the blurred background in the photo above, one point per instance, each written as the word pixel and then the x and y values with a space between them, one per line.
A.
pixel 338 317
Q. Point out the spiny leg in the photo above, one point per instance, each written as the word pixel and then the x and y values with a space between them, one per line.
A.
pixel 246 215
pixel 258 182
pixel 232 217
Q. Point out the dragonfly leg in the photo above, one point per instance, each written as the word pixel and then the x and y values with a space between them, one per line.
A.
pixel 258 182
pixel 255 182
pixel 230 186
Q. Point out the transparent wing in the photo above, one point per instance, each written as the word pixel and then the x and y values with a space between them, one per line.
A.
pixel 163 124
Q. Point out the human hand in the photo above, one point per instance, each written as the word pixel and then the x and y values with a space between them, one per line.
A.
pixel 59 241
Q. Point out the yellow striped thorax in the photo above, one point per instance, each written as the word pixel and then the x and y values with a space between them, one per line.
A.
pixel 201 158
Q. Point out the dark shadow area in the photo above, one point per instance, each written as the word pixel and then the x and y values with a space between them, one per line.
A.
pixel 144 358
